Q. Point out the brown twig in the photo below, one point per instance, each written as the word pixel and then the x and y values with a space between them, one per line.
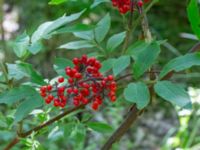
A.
pixel 12 143
pixel 123 128
pixel 129 30
pixel 41 126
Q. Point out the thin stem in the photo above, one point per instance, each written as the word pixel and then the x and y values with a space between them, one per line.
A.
pixel 129 30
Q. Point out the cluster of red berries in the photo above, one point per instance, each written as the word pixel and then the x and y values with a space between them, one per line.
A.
pixel 85 84
pixel 125 5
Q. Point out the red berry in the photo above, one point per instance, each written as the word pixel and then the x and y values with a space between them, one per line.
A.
pixel 43 89
pixel 43 94
pixel 110 78
pixel 50 97
pixel 69 91
pixel 76 102
pixel 75 91
pixel 95 105
pixel 70 80
pixel 49 87
pixel 85 101
pixel 84 59
pixel 113 98
pixel 61 79
pixel 78 76
pixel 76 61
pixel 56 102
pixel 140 3
pixel 48 101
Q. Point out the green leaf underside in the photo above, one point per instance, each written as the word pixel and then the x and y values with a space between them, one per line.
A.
pixel 194 16
pixel 97 2
pixel 75 45
pixel 121 64
pixel 181 63
pixel 47 28
pixel 115 41
pixel 31 100
pixel 60 64
pixel 21 44
pixel 137 93
pixel 173 93
pixel 100 127
pixel 74 28
pixel 102 28
pixel 145 58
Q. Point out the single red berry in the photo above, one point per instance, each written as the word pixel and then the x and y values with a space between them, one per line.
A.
pixel 78 76
pixel 61 79
pixel 110 78
pixel 49 87
pixel 48 101
pixel 43 89
pixel 43 94
pixel 76 102
pixel 84 59
pixel 50 97
pixel 140 3
pixel 61 89
pixel 70 80
pixel 75 90
pixel 85 101
pixel 113 98
pixel 95 106
pixel 56 102
pixel 76 61
pixel 69 90
pixel 62 104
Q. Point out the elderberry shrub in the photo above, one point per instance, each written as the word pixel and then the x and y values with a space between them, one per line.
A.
pixel 125 5
pixel 85 85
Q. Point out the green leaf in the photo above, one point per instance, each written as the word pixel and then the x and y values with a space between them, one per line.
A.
pixel 137 93
pixel 107 65
pixel 77 45
pixel 97 2
pixel 15 72
pixel 181 63
pixel 36 47
pixel 29 104
pixel 173 93
pixel 31 73
pixel 74 28
pixel 102 28
pixel 45 29
pixel 86 35
pixel 60 64
pixel 57 2
pixel 21 44
pixel 194 17
pixel 31 100
pixel 21 70
pixel 145 58
pixel 100 127
pixel 137 47
pixel 115 41
pixel 121 64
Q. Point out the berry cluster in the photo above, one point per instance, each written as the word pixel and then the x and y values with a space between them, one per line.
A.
pixel 85 84
pixel 125 5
